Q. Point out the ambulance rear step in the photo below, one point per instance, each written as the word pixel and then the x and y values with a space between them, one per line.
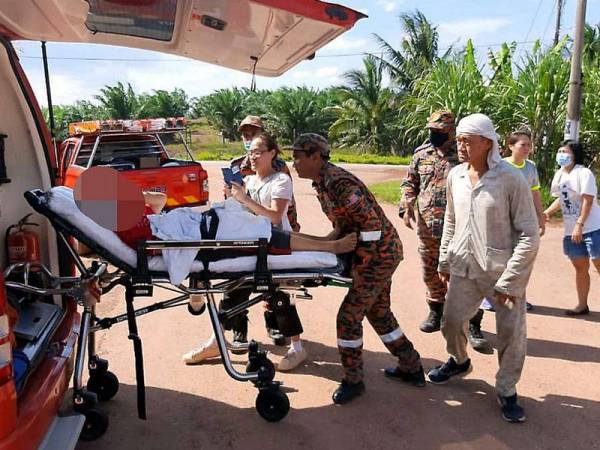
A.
pixel 63 433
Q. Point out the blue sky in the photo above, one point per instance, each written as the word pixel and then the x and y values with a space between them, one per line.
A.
pixel 487 22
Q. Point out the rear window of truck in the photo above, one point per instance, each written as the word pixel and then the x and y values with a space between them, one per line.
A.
pixel 114 152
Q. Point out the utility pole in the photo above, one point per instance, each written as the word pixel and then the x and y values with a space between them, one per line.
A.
pixel 559 7
pixel 575 81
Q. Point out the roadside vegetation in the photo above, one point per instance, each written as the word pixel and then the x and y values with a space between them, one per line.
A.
pixel 368 119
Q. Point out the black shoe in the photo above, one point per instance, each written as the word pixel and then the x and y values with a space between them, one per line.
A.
pixel 528 306
pixel 441 374
pixel 277 338
pixel 415 378
pixel 239 346
pixel 433 321
pixel 346 392
pixel 478 340
pixel 511 410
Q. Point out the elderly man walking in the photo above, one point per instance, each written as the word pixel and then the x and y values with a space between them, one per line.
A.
pixel 489 245
pixel 425 185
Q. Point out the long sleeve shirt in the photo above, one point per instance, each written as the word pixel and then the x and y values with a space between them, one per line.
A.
pixel 425 183
pixel 490 227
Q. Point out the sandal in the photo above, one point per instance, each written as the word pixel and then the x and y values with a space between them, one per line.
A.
pixel 574 312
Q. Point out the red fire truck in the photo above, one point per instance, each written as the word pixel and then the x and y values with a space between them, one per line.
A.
pixel 136 148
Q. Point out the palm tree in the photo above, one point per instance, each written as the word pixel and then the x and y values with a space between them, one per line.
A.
pixel 293 111
pixel 167 104
pixel 224 109
pixel 418 50
pixel 119 102
pixel 365 116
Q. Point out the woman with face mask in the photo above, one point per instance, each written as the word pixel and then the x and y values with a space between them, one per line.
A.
pixel 575 189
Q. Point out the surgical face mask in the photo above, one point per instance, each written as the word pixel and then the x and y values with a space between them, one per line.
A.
pixel 564 159
pixel 437 138
pixel 247 145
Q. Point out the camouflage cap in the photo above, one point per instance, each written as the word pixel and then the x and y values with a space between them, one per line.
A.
pixel 309 142
pixel 441 120
pixel 251 121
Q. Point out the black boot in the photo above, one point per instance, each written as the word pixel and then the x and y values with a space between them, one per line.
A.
pixel 433 321
pixel 415 378
pixel 476 337
pixel 346 392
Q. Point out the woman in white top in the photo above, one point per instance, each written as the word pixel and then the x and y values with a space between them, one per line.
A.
pixel 574 187
pixel 268 193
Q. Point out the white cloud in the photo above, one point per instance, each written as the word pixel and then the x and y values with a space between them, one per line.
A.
pixel 195 78
pixel 461 30
pixel 387 5
pixel 345 43
pixel 329 72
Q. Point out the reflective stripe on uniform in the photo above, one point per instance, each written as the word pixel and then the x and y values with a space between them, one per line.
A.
pixel 368 236
pixel 350 344
pixel 392 336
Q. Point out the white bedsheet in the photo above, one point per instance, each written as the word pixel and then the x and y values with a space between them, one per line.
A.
pixel 62 203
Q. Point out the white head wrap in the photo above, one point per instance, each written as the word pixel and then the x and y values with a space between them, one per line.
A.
pixel 481 125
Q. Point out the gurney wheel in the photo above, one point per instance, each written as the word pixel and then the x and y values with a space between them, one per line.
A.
pixel 263 366
pixel 272 404
pixel 96 423
pixel 104 384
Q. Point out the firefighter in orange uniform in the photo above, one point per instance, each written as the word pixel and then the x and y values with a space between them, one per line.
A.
pixel 352 208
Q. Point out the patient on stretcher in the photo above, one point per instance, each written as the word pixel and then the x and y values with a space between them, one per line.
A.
pixel 228 220
pixel 232 222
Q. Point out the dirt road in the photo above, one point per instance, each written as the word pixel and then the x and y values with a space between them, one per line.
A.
pixel 200 407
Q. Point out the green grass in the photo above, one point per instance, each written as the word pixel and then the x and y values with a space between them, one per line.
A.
pixel 547 198
pixel 387 191
pixel 217 151
pixel 208 145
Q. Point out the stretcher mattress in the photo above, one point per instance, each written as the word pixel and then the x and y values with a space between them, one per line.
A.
pixel 61 202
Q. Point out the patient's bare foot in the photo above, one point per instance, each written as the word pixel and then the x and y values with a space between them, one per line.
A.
pixel 345 244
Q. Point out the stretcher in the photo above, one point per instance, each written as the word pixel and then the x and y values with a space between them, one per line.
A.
pixel 272 279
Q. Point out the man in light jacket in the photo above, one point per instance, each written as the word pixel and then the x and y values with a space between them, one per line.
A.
pixel 489 244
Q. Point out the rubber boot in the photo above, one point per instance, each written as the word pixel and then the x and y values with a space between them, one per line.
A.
pixel 433 321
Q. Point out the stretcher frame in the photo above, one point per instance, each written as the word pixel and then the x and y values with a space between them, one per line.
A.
pixel 272 404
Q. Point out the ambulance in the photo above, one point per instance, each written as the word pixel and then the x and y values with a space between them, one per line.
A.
pixel 40 290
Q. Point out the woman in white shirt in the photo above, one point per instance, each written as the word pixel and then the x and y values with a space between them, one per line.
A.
pixel 575 189
pixel 268 193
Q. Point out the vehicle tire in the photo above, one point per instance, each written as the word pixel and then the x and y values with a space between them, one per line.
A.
pixel 272 405
pixel 105 385
pixel 96 424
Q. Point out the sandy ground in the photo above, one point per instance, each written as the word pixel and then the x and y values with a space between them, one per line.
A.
pixel 200 407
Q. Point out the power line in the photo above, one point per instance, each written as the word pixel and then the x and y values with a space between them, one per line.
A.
pixel 554 4
pixel 537 10
pixel 169 60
